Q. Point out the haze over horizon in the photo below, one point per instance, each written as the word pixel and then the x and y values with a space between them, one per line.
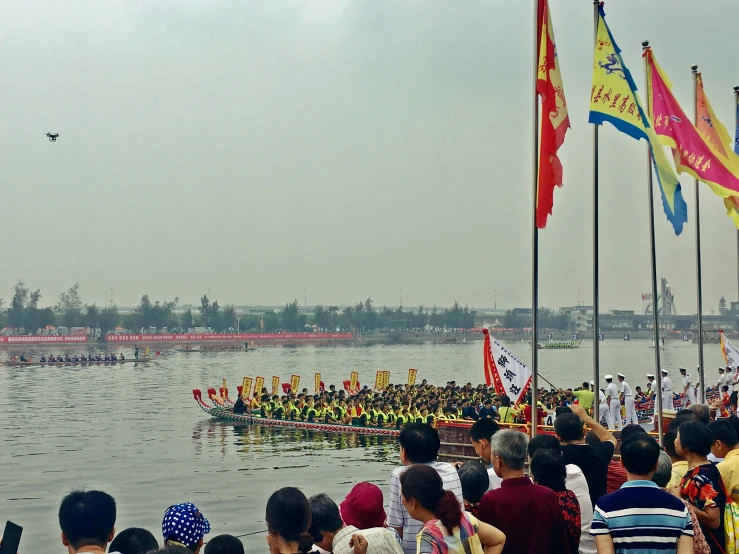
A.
pixel 352 148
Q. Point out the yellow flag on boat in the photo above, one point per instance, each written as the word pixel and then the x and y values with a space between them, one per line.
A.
pixel 354 382
pixel 386 379
pixel 258 386
pixel 379 379
pixel 246 388
pixel 224 390
pixel 412 377
pixel 295 383
pixel 275 384
pixel 318 382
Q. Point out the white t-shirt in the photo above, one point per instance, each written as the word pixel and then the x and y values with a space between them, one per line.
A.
pixel 576 483
pixel 601 397
pixel 666 384
pixel 612 391
pixel 495 481
pixel 686 380
pixel 398 516
pixel 626 389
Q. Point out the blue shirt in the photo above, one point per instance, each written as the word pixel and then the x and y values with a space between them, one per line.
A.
pixel 641 519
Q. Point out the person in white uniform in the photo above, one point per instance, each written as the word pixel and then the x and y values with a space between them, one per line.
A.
pixel 603 412
pixel 667 403
pixel 614 406
pixel 627 396
pixel 650 386
pixel 688 388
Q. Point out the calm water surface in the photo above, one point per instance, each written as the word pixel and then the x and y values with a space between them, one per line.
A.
pixel 135 432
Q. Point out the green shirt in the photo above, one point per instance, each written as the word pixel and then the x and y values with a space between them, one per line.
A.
pixel 584 398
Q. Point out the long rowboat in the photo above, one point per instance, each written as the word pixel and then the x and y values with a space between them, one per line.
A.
pixel 223 411
pixel 102 362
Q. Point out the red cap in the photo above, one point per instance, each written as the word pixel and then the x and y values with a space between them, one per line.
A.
pixel 363 507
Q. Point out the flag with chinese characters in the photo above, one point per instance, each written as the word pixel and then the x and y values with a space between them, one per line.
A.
pixel 731 354
pixel 554 118
pixel 511 376
pixel 614 98
pixel 701 155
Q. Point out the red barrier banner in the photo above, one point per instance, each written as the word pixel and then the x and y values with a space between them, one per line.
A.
pixel 34 339
pixel 214 337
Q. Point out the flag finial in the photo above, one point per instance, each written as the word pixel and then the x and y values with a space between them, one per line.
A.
pixel 736 89
pixel 645 44
pixel 694 67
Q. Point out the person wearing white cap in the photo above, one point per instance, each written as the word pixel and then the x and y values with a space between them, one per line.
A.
pixel 603 413
pixel 688 388
pixel 667 402
pixel 627 396
pixel 614 406
pixel 650 385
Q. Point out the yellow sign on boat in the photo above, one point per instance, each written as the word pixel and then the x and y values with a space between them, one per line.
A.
pixel 246 387
pixel 295 383
pixel 386 379
pixel 275 384
pixel 318 382
pixel 379 379
pixel 412 377
pixel 258 386
pixel 354 382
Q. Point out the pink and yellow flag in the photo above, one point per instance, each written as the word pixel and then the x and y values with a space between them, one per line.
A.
pixel 700 154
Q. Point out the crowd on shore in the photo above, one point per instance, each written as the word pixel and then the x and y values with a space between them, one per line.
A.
pixel 681 499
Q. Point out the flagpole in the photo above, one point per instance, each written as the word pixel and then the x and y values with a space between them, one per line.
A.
pixel 596 344
pixel 698 270
pixel 653 256
pixel 535 237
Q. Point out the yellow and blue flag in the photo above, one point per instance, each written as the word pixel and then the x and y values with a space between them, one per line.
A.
pixel 614 98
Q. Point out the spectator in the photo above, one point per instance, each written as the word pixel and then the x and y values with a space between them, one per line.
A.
pixel 475 482
pixel 592 459
pixel 548 470
pixel 134 540
pixel 701 486
pixel 662 478
pixel 506 412
pixel 575 482
pixel 288 519
pixel 681 417
pixel 172 550
pixel 702 412
pixel 184 525
pixel 447 529
pixel 224 544
pixel 585 397
pixel 481 433
pixel 419 444
pixel 630 430
pixel 87 520
pixel 639 517
pixel 725 447
pixel 616 472
pixel 363 507
pixel 679 465
pixel 540 413
pixel 331 534
pixel 518 502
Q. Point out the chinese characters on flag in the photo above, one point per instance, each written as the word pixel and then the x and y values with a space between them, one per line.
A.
pixel 511 376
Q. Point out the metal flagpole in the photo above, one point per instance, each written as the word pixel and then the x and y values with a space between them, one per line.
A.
pixel 698 272
pixel 535 238
pixel 653 254
pixel 596 342
pixel 736 147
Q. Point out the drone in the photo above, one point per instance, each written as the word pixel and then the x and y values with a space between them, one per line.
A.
pixel 52 136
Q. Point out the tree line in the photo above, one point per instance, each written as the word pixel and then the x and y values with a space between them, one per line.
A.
pixel 24 315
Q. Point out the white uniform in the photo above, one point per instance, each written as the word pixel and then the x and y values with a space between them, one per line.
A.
pixel 631 416
pixel 614 407
pixel 689 397
pixel 667 402
pixel 603 412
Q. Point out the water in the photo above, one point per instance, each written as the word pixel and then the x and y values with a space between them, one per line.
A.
pixel 135 431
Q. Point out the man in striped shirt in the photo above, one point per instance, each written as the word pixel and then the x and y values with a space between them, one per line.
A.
pixel 639 518
pixel 419 444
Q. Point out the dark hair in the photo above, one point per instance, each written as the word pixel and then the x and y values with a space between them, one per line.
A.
pixel 288 515
pixel 702 412
pixel 591 438
pixel 639 454
pixel 681 417
pixel 420 442
pixel 631 431
pixel 325 516
pixel 723 431
pixel 734 422
pixel 223 544
pixel 87 518
pixel 474 479
pixel 548 469
pixel 172 549
pixel 669 442
pixel 483 428
pixel 568 427
pixel 422 483
pixel 695 437
pixel 505 401
pixel 133 540
pixel 544 442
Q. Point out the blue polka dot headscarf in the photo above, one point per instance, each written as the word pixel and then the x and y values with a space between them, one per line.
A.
pixel 185 523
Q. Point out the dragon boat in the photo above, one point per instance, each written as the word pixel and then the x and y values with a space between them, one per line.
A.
pixel 558 345
pixel 18 363
pixel 221 408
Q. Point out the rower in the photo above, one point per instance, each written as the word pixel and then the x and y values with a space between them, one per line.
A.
pixel 67 358
pixel 136 351
pixel 239 406
pixel 42 359
pixel 23 358
pixel 122 357
pixel 75 358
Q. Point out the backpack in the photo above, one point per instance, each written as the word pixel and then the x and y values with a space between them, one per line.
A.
pixel 731 522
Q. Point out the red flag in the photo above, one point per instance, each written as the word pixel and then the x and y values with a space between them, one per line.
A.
pixel 488 362
pixel 554 118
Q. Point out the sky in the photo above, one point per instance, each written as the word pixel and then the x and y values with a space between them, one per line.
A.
pixel 337 150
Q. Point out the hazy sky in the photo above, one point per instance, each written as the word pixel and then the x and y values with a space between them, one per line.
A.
pixel 350 147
